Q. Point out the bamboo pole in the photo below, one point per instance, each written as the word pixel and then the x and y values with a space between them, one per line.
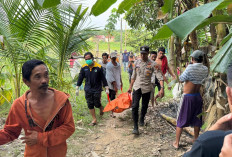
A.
pixel 171 120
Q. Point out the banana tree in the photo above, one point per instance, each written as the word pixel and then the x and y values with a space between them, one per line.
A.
pixel 196 19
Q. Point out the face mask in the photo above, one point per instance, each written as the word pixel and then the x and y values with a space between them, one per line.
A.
pixel 89 62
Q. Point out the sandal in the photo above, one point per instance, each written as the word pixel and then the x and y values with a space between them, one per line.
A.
pixel 92 123
pixel 112 115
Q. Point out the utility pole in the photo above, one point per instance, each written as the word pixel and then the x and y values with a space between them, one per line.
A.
pixel 125 35
pixel 97 53
pixel 121 38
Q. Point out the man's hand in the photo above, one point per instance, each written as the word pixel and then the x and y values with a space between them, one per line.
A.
pixel 161 93
pixel 107 90
pixel 129 90
pixel 30 139
pixel 77 90
pixel 224 123
pixel 226 150
pixel 115 86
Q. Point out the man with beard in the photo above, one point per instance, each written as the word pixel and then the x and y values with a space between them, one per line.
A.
pixel 113 77
pixel 44 113
pixel 141 83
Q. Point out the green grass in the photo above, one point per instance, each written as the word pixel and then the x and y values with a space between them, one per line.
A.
pixel 103 46
pixel 79 105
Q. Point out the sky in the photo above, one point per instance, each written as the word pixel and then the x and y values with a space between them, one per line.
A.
pixel 101 20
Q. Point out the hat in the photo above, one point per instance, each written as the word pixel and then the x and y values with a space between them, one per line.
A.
pixel 113 54
pixel 144 49
pixel 197 53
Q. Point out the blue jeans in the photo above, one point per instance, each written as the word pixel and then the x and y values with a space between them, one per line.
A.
pixel 125 65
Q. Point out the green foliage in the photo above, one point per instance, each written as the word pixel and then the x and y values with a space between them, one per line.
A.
pixel 50 35
pixel 224 4
pixel 164 33
pixel 66 36
pixel 215 19
pixel 5 91
pixel 126 5
pixel 112 21
pixel 103 46
pixel 221 60
pixel 187 22
pixel 46 3
pixel 226 38
pixel 141 15
pixel 101 6
pixel 168 6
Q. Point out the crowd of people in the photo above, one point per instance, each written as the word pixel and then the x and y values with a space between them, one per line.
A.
pixel 45 113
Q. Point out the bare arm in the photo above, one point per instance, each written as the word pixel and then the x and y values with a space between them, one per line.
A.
pixel 171 73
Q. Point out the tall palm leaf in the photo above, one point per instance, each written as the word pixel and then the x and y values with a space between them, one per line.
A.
pixel 66 35
pixel 22 28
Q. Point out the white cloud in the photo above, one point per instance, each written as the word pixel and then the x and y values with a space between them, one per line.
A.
pixel 101 20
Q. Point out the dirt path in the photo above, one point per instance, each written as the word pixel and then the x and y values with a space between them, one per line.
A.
pixel 112 137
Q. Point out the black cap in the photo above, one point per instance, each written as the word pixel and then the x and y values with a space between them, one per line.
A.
pixel 144 49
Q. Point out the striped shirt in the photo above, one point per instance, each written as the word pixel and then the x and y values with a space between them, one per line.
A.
pixel 194 73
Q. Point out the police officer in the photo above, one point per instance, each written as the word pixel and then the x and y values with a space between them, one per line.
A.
pixel 141 83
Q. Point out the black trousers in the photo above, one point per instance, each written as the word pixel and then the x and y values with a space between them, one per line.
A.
pixel 112 94
pixel 137 94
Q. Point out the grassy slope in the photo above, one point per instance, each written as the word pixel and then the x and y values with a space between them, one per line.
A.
pixel 103 46
pixel 80 110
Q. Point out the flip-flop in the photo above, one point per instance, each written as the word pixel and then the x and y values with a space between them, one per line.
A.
pixel 92 124
pixel 113 116
pixel 101 113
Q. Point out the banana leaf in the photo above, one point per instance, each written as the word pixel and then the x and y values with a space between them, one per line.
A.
pixel 163 33
pixel 101 6
pixel 5 95
pixel 126 5
pixel 187 22
pixel 168 6
pixel 221 60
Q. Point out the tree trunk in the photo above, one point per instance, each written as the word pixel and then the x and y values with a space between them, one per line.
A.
pixel 121 38
pixel 172 57
pixel 193 38
pixel 221 33
pixel 178 61
pixel 220 29
pixel 213 34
